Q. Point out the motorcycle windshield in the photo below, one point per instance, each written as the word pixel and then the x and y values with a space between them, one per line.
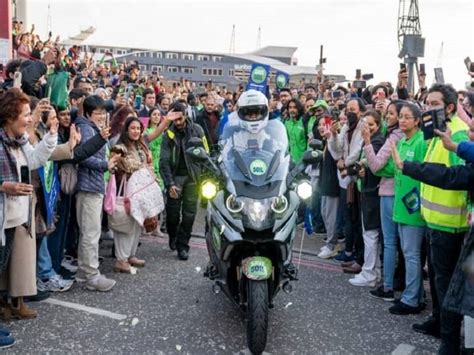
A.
pixel 258 163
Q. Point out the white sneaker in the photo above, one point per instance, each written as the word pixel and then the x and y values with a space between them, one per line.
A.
pixel 361 281
pixel 100 283
pixel 54 284
pixel 327 253
pixel 69 264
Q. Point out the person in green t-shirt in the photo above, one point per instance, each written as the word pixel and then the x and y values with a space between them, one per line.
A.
pixel 155 145
pixel 296 133
pixel 406 210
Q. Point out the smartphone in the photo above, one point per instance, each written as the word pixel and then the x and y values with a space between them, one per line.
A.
pixel 336 94
pixel 439 76
pixel 359 84
pixel 44 116
pixel 17 77
pixel 25 174
pixel 403 67
pixel 367 76
pixel 431 120
pixel 358 73
pixel 422 69
pixel 138 102
pixel 328 122
pixel 469 64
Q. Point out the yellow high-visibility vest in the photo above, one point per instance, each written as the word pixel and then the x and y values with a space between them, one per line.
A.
pixel 444 208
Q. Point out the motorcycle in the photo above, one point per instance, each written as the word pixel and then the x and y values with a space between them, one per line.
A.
pixel 252 211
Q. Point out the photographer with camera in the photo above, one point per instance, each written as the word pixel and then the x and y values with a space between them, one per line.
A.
pixel 445 213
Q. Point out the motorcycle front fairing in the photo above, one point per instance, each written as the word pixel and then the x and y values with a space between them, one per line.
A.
pixel 255 168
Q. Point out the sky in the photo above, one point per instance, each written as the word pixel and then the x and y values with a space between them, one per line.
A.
pixel 355 33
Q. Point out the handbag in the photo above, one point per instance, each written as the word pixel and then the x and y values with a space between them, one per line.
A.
pixel 110 195
pixel 150 224
pixel 68 178
pixel 120 220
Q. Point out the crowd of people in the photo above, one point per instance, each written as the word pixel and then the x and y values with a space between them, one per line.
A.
pixel 78 137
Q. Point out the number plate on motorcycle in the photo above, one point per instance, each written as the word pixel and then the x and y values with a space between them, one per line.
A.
pixel 257 268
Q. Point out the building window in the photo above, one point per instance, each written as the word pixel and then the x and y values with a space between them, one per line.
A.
pixel 173 69
pixel 120 52
pixel 204 71
pixel 188 56
pixel 102 50
pixel 217 58
pixel 231 72
pixel 156 68
pixel 203 58
pixel 172 56
pixel 142 67
pixel 158 55
pixel 187 70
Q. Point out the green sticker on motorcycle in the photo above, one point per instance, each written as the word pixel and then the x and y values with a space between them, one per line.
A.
pixel 257 268
pixel 258 167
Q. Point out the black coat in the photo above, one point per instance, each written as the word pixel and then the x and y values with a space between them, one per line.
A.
pixel 460 295
pixel 172 147
pixel 328 180
pixel 31 72
pixel 369 197
pixel 202 120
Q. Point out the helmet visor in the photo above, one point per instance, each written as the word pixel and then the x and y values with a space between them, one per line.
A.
pixel 253 113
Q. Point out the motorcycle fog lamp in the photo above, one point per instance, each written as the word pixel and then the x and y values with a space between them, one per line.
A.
pixel 279 204
pixel 208 190
pixel 233 204
pixel 304 189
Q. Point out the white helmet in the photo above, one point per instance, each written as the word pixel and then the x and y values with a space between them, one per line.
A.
pixel 253 111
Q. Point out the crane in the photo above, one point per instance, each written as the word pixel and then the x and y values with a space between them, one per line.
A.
pixel 410 41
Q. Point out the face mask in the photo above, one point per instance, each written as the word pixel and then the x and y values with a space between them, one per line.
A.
pixel 352 118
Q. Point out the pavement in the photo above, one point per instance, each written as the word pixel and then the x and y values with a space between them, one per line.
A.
pixel 169 308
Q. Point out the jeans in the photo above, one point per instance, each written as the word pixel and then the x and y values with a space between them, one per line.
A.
pixel 445 249
pixel 44 266
pixel 411 238
pixel 390 240
pixel 57 239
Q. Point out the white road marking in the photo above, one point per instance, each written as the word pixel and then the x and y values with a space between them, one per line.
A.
pixel 403 349
pixel 80 307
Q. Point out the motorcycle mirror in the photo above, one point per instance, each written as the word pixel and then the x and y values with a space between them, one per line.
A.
pixel 312 157
pixel 197 153
pixel 195 142
pixel 316 144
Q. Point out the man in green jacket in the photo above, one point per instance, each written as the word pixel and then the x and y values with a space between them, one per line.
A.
pixel 296 133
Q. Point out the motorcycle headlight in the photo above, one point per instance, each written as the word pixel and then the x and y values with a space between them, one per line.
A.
pixel 256 213
pixel 304 189
pixel 208 190
pixel 233 204
pixel 279 204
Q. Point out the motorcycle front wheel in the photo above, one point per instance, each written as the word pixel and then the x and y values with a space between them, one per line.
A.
pixel 257 315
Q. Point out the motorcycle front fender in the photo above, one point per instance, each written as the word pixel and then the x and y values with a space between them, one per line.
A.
pixel 257 268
